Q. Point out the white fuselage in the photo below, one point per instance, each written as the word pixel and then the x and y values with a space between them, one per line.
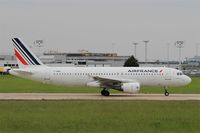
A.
pixel 82 76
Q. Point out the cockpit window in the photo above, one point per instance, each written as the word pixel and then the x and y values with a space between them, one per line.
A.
pixel 179 73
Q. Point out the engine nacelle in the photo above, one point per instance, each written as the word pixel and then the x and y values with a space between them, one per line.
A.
pixel 130 87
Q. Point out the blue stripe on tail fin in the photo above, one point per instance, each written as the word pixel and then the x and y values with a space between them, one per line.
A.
pixel 24 54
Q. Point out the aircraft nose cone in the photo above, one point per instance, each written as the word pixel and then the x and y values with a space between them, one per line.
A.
pixel 188 80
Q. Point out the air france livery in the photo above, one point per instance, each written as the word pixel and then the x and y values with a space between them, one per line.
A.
pixel 126 79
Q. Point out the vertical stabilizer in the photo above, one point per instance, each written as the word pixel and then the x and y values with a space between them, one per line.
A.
pixel 24 55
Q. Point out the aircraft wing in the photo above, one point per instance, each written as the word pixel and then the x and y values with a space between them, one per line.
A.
pixel 112 82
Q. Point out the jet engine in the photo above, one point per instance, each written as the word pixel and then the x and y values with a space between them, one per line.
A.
pixel 130 87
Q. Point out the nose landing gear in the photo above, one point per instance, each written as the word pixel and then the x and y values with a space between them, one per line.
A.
pixel 166 92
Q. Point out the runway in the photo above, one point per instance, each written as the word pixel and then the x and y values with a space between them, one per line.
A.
pixel 95 96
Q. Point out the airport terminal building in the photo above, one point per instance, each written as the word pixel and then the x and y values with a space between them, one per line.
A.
pixel 8 61
pixel 88 59
pixel 72 59
pixel 84 59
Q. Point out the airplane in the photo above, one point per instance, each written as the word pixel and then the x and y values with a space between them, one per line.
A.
pixel 4 69
pixel 125 79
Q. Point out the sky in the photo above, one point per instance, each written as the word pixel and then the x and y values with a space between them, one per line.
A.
pixel 103 26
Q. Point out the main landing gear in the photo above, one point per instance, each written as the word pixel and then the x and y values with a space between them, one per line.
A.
pixel 166 92
pixel 105 92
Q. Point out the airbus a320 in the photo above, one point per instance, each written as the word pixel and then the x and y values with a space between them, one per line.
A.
pixel 126 79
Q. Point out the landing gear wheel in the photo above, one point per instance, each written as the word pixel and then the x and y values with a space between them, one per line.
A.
pixel 105 93
pixel 166 93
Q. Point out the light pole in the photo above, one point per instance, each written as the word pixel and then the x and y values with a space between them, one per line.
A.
pixel 197 49
pixel 39 44
pixel 179 44
pixel 135 45
pixel 113 49
pixel 168 45
pixel 145 43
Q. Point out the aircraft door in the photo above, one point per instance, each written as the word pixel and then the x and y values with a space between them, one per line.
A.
pixel 47 77
pixel 167 75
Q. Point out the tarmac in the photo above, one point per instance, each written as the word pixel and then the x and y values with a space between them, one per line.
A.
pixel 97 96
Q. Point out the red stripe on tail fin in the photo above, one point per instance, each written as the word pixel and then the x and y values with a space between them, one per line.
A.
pixel 20 58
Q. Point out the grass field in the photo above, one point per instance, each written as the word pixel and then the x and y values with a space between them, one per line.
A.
pixel 100 116
pixel 10 84
pixel 96 116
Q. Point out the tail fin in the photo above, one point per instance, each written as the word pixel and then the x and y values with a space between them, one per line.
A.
pixel 24 55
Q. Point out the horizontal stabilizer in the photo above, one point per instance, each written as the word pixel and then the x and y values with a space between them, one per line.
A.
pixel 21 72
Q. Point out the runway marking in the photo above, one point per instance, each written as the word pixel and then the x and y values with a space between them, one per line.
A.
pixel 95 96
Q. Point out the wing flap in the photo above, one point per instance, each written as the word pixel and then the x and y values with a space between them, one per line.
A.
pixel 112 82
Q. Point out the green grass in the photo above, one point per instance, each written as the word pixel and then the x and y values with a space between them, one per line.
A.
pixel 10 84
pixel 96 116
pixel 99 116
